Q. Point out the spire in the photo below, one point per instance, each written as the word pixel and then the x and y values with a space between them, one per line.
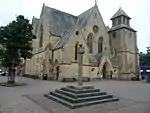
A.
pixel 95 2
pixel 120 12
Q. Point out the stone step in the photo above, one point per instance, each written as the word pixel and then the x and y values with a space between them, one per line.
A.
pixel 79 95
pixel 81 87
pixel 76 105
pixel 79 91
pixel 95 102
pixel 78 100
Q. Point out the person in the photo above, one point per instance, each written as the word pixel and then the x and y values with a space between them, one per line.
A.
pixel 98 75
pixel 57 72
pixel 111 74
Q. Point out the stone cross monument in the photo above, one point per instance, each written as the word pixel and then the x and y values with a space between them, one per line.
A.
pixel 80 64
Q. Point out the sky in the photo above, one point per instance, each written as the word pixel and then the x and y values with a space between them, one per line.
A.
pixel 138 10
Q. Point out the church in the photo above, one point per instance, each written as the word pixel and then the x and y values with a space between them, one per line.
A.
pixel 109 52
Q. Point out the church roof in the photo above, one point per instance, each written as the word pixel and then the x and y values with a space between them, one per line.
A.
pixel 35 23
pixel 83 17
pixel 65 35
pixel 64 38
pixel 58 21
pixel 120 12
pixel 120 27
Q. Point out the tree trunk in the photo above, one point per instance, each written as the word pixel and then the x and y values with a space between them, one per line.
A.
pixel 8 75
pixel 11 73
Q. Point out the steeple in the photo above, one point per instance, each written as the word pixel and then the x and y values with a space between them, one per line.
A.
pixel 120 12
pixel 95 2
pixel 120 18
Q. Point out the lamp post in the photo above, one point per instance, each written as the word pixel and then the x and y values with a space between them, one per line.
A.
pixel 80 64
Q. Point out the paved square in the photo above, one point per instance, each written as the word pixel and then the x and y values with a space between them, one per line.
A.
pixel 134 97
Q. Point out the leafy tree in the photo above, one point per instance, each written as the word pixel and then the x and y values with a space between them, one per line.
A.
pixel 145 58
pixel 16 38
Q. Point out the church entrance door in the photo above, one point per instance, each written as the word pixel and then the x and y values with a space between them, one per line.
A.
pixel 104 71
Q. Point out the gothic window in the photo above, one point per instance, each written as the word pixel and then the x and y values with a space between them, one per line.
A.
pixel 95 15
pixel 114 22
pixel 123 20
pixel 119 20
pixel 95 28
pixel 77 32
pixel 130 35
pixel 127 21
pixel 76 51
pixel 114 34
pixel 90 43
pixel 41 36
pixel 100 46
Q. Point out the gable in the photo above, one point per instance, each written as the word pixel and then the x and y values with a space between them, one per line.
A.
pixel 95 20
pixel 35 23
pixel 58 21
pixel 67 34
pixel 70 46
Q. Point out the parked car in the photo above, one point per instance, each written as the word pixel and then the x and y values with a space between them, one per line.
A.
pixel 2 73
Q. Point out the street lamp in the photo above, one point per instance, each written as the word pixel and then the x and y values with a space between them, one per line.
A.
pixel 80 64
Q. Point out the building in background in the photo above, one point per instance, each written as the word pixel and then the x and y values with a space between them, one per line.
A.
pixel 109 52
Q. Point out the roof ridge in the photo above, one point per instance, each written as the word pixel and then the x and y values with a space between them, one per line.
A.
pixel 60 11
pixel 85 11
pixel 74 27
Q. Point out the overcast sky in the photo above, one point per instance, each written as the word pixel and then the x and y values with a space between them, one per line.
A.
pixel 138 10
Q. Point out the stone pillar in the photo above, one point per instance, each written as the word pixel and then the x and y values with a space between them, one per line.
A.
pixel 80 69
pixel 80 65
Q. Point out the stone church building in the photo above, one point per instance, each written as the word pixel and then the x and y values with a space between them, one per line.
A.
pixel 109 52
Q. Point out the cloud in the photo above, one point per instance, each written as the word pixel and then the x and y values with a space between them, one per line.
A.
pixel 138 10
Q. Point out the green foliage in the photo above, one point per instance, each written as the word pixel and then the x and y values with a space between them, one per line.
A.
pixel 16 38
pixel 145 58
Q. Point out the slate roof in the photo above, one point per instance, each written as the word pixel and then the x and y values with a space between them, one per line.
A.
pixel 83 17
pixel 67 33
pixel 120 12
pixel 65 37
pixel 120 27
pixel 58 21
pixel 35 23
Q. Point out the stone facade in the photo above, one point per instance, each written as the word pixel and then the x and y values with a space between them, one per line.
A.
pixel 109 53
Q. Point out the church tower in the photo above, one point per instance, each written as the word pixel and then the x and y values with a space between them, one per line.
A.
pixel 123 43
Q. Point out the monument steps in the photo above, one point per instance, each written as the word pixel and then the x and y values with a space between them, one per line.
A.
pixel 74 96
pixel 83 99
pixel 77 105
pixel 80 95
pixel 79 91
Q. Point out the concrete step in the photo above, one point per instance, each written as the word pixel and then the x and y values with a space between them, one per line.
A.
pixel 78 100
pixel 79 91
pixel 95 102
pixel 81 87
pixel 82 95
pixel 76 105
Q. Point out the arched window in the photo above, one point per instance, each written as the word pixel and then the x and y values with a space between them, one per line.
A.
pixel 90 43
pixel 100 45
pixel 76 51
pixel 41 36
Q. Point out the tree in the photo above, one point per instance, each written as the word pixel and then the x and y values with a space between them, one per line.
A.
pixel 16 38
pixel 145 58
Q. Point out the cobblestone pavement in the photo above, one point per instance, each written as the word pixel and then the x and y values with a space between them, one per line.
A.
pixel 134 97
